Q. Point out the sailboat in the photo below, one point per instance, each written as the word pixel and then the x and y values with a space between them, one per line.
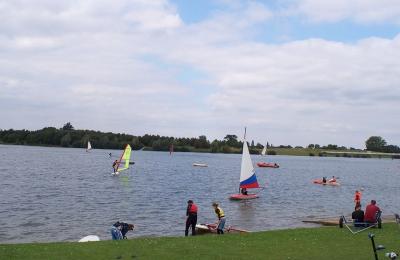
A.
pixel 264 151
pixel 248 178
pixel 123 160
pixel 89 146
pixel 265 164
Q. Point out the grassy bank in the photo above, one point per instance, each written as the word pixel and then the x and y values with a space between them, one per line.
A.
pixel 304 243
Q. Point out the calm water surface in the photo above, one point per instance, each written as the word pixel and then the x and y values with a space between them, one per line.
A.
pixel 58 194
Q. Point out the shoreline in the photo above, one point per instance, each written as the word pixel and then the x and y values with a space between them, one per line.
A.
pixel 298 243
pixel 272 152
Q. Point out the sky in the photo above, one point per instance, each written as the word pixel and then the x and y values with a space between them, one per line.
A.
pixel 294 72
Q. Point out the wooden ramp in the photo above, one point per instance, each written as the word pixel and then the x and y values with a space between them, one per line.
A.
pixel 334 221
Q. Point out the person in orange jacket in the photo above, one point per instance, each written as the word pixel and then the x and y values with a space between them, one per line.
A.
pixel 357 198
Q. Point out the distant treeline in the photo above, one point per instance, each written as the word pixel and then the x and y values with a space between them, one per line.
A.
pixel 67 136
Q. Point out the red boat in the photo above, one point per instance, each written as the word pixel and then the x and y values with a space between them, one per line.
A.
pixel 330 183
pixel 243 197
pixel 270 165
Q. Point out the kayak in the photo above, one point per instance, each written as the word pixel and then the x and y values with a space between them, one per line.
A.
pixel 243 197
pixel 200 164
pixel 89 238
pixel 319 181
pixel 270 165
pixel 212 228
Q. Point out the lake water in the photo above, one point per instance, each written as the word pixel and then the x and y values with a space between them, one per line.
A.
pixel 60 194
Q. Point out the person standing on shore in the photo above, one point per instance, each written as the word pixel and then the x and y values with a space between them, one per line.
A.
pixel 191 220
pixel 221 218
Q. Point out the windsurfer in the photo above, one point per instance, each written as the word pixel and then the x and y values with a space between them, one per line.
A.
pixel 221 218
pixel 191 220
pixel 244 191
pixel 115 166
pixel 119 230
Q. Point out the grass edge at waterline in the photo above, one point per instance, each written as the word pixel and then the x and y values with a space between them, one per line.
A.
pixel 300 243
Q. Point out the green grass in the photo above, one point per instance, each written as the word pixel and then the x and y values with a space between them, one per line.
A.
pixel 303 243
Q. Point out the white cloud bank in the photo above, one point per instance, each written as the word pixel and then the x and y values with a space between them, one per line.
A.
pixel 362 11
pixel 116 66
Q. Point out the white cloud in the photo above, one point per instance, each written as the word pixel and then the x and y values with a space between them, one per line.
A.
pixel 362 11
pixel 116 66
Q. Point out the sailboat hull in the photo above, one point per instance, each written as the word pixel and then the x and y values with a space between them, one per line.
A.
pixel 270 165
pixel 243 197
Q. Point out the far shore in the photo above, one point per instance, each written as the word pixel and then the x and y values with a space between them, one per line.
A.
pixel 270 153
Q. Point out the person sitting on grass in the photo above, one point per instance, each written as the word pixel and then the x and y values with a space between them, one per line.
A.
pixel 358 216
pixel 370 212
pixel 119 230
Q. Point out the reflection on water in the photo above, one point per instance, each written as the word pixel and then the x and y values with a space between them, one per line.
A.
pixel 56 194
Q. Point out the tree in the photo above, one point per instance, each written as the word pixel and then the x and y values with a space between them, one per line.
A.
pixel 375 143
pixel 68 126
pixel 66 140
pixel 231 140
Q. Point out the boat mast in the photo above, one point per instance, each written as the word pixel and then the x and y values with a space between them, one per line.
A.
pixel 244 140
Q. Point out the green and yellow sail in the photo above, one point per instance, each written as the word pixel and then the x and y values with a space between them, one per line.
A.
pixel 126 156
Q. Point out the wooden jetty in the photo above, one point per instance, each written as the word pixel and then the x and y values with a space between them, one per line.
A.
pixel 334 221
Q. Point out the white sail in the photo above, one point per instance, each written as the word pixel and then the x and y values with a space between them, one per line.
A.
pixel 248 177
pixel 89 146
pixel 264 151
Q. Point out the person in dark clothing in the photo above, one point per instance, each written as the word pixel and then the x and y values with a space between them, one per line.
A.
pixel 323 179
pixel 119 230
pixel 191 220
pixel 244 191
pixel 115 166
pixel 358 216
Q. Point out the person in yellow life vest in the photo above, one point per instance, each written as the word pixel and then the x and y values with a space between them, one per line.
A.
pixel 221 218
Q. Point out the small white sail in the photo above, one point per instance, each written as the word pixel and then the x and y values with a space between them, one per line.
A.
pixel 89 146
pixel 264 151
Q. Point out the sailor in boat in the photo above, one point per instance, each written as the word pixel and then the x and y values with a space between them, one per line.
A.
pixel 243 191
pixel 115 166
pixel 221 218
pixel 119 230
pixel 333 179
pixel 191 220
pixel 323 179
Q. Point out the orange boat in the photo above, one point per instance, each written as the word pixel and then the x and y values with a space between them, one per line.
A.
pixel 330 183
